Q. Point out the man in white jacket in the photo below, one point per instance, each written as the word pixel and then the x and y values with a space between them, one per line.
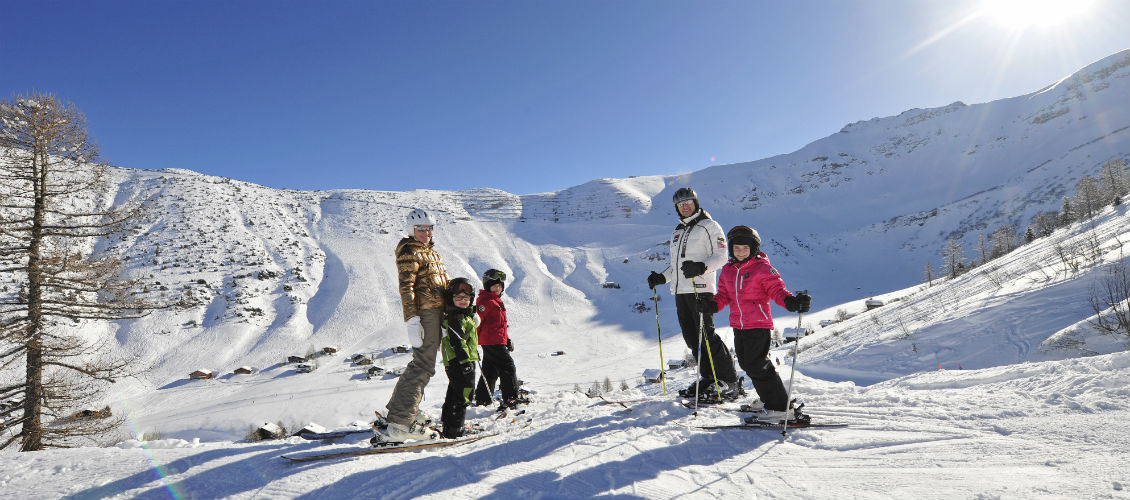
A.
pixel 698 250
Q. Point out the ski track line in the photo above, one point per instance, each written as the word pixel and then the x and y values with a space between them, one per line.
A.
pixel 287 486
pixel 586 474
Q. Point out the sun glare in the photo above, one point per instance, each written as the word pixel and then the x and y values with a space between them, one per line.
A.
pixel 1021 14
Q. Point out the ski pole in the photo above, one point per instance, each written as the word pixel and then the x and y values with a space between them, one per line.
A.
pixel 792 374
pixel 482 380
pixel 662 362
pixel 703 336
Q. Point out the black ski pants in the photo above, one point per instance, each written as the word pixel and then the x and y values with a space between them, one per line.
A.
pixel 752 346
pixel 460 386
pixel 693 323
pixel 498 366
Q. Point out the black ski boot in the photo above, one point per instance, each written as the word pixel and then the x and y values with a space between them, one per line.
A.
pixel 696 389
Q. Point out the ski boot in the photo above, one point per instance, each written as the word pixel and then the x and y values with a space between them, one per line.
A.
pixel 774 417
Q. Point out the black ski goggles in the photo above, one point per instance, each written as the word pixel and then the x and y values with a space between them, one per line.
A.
pixel 494 275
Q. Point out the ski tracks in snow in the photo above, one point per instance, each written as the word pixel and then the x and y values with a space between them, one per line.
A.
pixel 965 434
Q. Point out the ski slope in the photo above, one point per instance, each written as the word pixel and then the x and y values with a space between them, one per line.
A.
pixel 1050 429
pixel 991 385
pixel 1055 430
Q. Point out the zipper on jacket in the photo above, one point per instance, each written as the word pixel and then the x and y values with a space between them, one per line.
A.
pixel 682 255
pixel 737 291
pixel 683 249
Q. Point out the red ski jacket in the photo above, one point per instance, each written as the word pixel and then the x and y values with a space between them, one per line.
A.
pixel 492 318
pixel 747 287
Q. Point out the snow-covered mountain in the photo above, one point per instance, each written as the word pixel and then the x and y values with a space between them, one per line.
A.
pixel 1055 429
pixel 265 274
pixel 268 273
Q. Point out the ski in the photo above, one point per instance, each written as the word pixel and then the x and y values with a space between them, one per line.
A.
pixel 624 403
pixel 745 408
pixel 391 448
pixel 777 426
pixel 685 402
pixel 318 436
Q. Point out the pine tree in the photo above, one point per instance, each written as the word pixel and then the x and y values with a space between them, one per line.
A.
pixel 1088 200
pixel 1067 213
pixel 983 248
pixel 1003 240
pixel 52 197
pixel 1044 224
pixel 1115 180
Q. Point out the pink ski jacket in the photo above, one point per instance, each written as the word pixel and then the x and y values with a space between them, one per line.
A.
pixel 747 287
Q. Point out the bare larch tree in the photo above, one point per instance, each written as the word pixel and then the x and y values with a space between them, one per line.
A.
pixel 55 204
pixel 953 258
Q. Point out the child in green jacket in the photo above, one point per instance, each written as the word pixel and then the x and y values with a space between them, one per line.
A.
pixel 460 347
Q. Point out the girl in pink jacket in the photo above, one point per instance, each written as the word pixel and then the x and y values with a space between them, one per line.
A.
pixel 747 284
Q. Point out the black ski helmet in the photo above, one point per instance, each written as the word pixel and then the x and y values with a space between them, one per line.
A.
pixel 492 277
pixel 684 194
pixel 743 235
pixel 457 286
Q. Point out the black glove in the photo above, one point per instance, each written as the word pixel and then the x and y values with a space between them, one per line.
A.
pixel 468 368
pixel 692 269
pixel 509 345
pixel 655 279
pixel 801 302
pixel 707 304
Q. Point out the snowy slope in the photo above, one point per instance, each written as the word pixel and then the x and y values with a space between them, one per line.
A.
pixel 1037 410
pixel 275 273
pixel 1050 430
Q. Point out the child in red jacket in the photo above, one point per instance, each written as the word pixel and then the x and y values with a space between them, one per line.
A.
pixel 498 365
pixel 747 284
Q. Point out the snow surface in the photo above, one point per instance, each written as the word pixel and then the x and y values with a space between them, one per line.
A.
pixel 1054 429
pixel 991 385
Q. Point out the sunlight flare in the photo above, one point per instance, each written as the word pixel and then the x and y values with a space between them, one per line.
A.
pixel 1022 14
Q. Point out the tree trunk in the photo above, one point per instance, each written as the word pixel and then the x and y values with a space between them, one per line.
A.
pixel 34 393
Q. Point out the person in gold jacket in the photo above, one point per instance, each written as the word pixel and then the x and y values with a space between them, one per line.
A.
pixel 423 279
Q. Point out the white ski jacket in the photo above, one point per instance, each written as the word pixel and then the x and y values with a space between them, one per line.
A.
pixel 698 238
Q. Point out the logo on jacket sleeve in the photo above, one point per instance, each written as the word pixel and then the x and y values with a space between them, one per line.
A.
pixel 482 308
pixel 773 271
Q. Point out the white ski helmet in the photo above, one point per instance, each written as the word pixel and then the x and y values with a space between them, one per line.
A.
pixel 419 217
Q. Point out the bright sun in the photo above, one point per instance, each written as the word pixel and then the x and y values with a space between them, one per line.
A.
pixel 1021 14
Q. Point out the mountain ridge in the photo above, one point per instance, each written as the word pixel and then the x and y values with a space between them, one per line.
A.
pixel 268 272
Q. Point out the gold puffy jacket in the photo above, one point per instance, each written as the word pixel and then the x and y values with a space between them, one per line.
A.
pixel 422 276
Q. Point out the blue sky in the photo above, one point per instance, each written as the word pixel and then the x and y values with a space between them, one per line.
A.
pixel 525 96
